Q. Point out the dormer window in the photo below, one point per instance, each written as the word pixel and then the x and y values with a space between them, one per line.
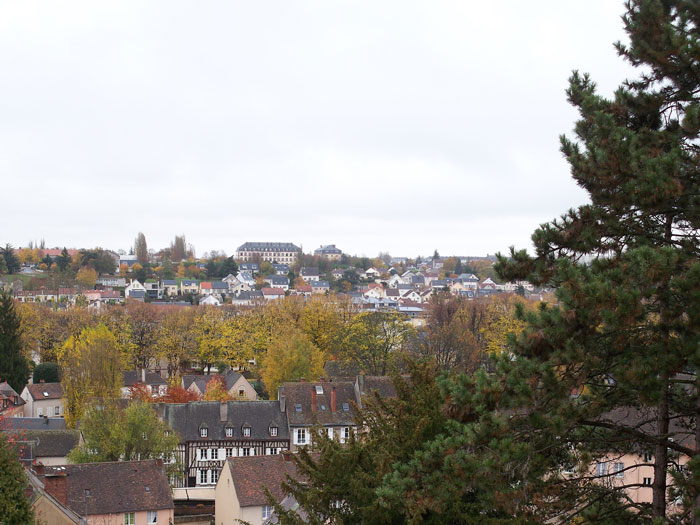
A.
pixel 297 407
pixel 203 432
pixel 229 432
pixel 273 431
pixel 346 406
pixel 246 431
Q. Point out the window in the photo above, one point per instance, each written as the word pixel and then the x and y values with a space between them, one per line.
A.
pixel 129 518
pixel 214 476
pixel 346 406
pixel 273 431
pixel 202 454
pixel 229 452
pixel 152 517
pixel 346 433
pixel 203 432
pixel 648 457
pixel 618 469
pixel 297 408
pixel 273 451
pixel 229 432
pixel 245 451
pixel 266 512
pixel 601 469
pixel 330 432
pixel 319 390
pixel 56 411
pixel 241 393
pixel 646 481
pixel 144 436
pixel 301 436
pixel 246 431
pixel 214 454
pixel 41 412
pixel 203 477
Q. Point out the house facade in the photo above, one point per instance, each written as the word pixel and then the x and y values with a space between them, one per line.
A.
pixel 43 400
pixel 240 491
pixel 212 431
pixel 274 252
pixel 329 252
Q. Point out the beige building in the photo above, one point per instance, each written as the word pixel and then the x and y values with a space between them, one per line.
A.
pixel 43 400
pixel 274 252
pixel 240 491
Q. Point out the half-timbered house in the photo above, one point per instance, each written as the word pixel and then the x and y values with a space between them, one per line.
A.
pixel 211 431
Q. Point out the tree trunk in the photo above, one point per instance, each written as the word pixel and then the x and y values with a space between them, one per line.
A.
pixel 658 505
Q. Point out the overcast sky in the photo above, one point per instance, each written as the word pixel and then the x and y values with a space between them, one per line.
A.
pixel 393 126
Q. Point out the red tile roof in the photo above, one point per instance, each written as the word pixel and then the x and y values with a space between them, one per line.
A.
pixel 40 391
pixel 252 475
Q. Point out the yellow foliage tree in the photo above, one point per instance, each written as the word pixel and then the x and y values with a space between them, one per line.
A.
pixel 290 357
pixel 91 366
pixel 87 277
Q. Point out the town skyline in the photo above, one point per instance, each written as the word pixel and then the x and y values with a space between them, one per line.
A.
pixel 434 129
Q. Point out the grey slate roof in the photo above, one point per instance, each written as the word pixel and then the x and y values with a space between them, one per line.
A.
pixel 278 280
pixel 37 444
pixel 169 282
pixel 34 423
pixel 132 377
pixel 201 380
pixel 137 294
pixel 268 247
pixel 298 402
pixel 187 418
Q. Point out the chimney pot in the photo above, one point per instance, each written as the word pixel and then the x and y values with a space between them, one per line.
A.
pixel 38 468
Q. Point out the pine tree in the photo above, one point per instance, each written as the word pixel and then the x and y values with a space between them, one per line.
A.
pixel 13 366
pixel 11 261
pixel 14 504
pixel 624 333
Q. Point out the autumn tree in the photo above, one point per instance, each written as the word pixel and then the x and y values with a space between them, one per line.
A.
pixel 373 340
pixel 216 390
pixel 14 367
pixel 290 357
pixel 87 277
pixel 141 248
pixel 91 366
pixel 176 341
pixel 452 334
pixel 143 321
pixel 178 248
pixel 115 434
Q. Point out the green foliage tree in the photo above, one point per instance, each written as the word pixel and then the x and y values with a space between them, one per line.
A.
pixel 11 261
pixel 3 266
pixel 15 506
pixel 13 365
pixel 373 339
pixel 46 372
pixel 63 261
pixel 115 434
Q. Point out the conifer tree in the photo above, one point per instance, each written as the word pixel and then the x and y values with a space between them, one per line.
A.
pixel 13 366
pixel 14 503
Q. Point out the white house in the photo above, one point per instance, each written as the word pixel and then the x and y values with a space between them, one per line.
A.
pixel 134 286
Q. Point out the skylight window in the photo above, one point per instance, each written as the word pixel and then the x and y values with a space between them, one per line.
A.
pixel 297 407
pixel 319 390
pixel 46 394
pixel 346 406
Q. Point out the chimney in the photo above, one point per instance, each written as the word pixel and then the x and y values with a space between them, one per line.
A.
pixel 333 394
pixel 287 455
pixel 313 398
pixel 41 380
pixel 322 379
pixel 281 399
pixel 55 484
pixel 159 463
pixel 303 380
pixel 38 468
pixel 223 412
